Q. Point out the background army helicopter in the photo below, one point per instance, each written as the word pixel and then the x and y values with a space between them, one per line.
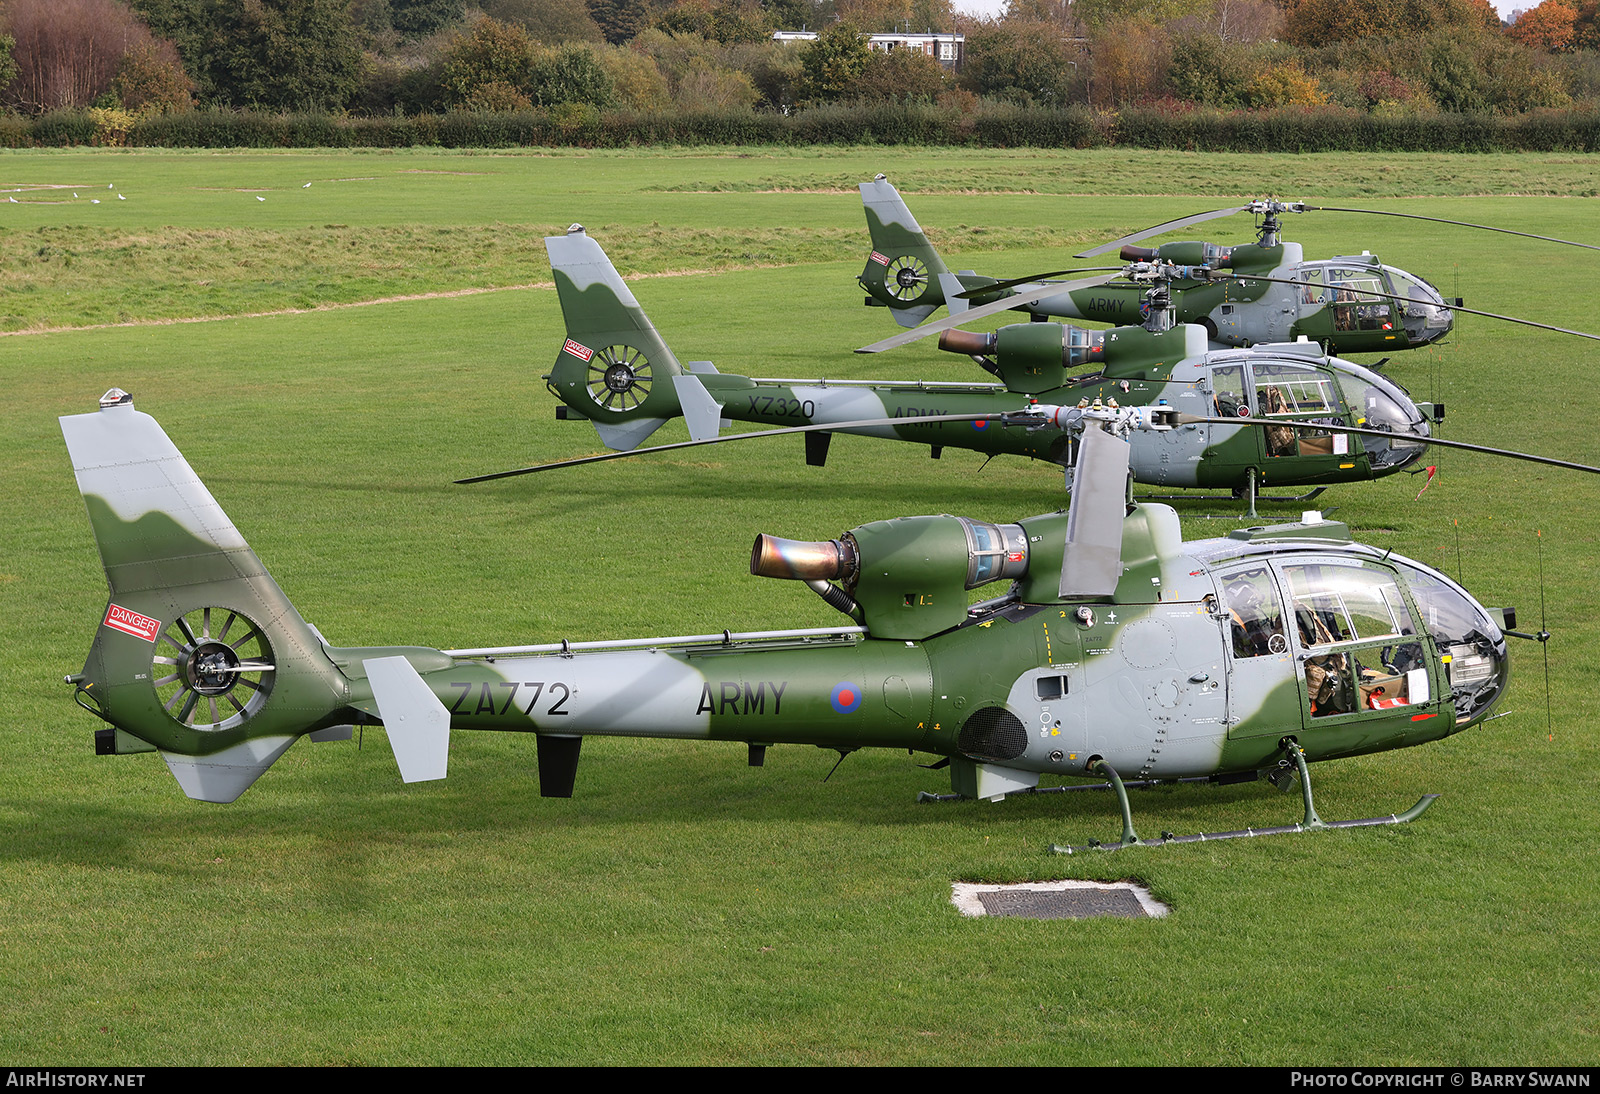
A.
pixel 1349 303
pixel 616 370
pixel 1117 647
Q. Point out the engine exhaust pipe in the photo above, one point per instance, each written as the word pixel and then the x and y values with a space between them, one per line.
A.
pixel 802 560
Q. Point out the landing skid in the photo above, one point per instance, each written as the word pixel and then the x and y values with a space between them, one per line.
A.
pixel 1310 823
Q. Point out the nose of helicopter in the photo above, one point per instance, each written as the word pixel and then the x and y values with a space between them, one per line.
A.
pixel 1380 403
pixel 1426 316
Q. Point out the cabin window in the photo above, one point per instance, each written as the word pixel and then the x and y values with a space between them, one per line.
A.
pixel 1355 307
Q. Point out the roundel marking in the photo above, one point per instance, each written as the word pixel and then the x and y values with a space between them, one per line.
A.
pixel 846 697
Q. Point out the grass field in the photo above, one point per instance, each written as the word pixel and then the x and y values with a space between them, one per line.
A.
pixel 683 908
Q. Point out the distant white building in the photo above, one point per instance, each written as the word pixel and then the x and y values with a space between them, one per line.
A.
pixel 948 49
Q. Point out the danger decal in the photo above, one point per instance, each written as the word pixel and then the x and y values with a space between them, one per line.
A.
pixel 140 626
pixel 882 260
pixel 578 350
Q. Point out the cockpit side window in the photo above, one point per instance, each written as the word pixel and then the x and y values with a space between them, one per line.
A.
pixel 1227 385
pixel 1255 612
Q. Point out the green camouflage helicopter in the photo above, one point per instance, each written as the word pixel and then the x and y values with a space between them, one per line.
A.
pixel 615 370
pixel 1349 304
pixel 1116 647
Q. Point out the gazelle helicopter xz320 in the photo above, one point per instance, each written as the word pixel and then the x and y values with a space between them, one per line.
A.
pixel 1349 303
pixel 1113 645
pixel 615 370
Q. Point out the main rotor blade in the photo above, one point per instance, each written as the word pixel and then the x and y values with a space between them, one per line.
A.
pixel 1168 226
pixel 1403 438
pixel 1442 220
pixel 863 423
pixel 1015 281
pixel 1403 300
pixel 984 311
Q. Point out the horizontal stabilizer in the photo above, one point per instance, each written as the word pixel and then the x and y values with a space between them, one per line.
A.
pixel 952 287
pixel 417 723
pixel 701 413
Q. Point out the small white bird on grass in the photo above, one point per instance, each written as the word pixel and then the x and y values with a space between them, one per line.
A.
pixel 260 198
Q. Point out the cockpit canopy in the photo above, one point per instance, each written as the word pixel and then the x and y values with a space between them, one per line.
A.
pixel 1329 392
pixel 1358 290
pixel 1358 636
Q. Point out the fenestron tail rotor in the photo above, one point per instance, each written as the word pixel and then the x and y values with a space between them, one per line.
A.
pixel 619 377
pixel 906 278
pixel 212 668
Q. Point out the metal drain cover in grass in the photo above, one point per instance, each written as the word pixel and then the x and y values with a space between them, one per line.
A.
pixel 1058 900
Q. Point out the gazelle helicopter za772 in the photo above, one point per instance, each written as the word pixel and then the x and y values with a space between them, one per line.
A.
pixel 616 370
pixel 1116 647
pixel 1349 303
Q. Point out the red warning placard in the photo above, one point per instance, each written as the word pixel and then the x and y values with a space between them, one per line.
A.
pixel 140 626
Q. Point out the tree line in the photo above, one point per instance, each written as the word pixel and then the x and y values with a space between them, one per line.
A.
pixel 133 59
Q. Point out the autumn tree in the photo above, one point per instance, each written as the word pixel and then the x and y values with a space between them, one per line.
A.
pixel 488 57
pixel 898 75
pixel 67 52
pixel 1130 63
pixel 1549 27
pixel 619 20
pixel 276 54
pixel 151 80
pixel 1285 85
pixel 1058 13
pixel 829 64
pixel 548 21
pixel 723 21
pixel 414 19
pixel 1021 62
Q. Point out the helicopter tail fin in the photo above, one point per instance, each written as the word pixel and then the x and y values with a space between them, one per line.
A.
pixel 614 367
pixel 199 654
pixel 903 271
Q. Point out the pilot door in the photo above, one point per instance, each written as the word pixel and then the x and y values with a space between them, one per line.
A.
pixel 1288 391
pixel 1366 672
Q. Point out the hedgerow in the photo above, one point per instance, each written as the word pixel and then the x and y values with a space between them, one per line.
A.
pixel 984 124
